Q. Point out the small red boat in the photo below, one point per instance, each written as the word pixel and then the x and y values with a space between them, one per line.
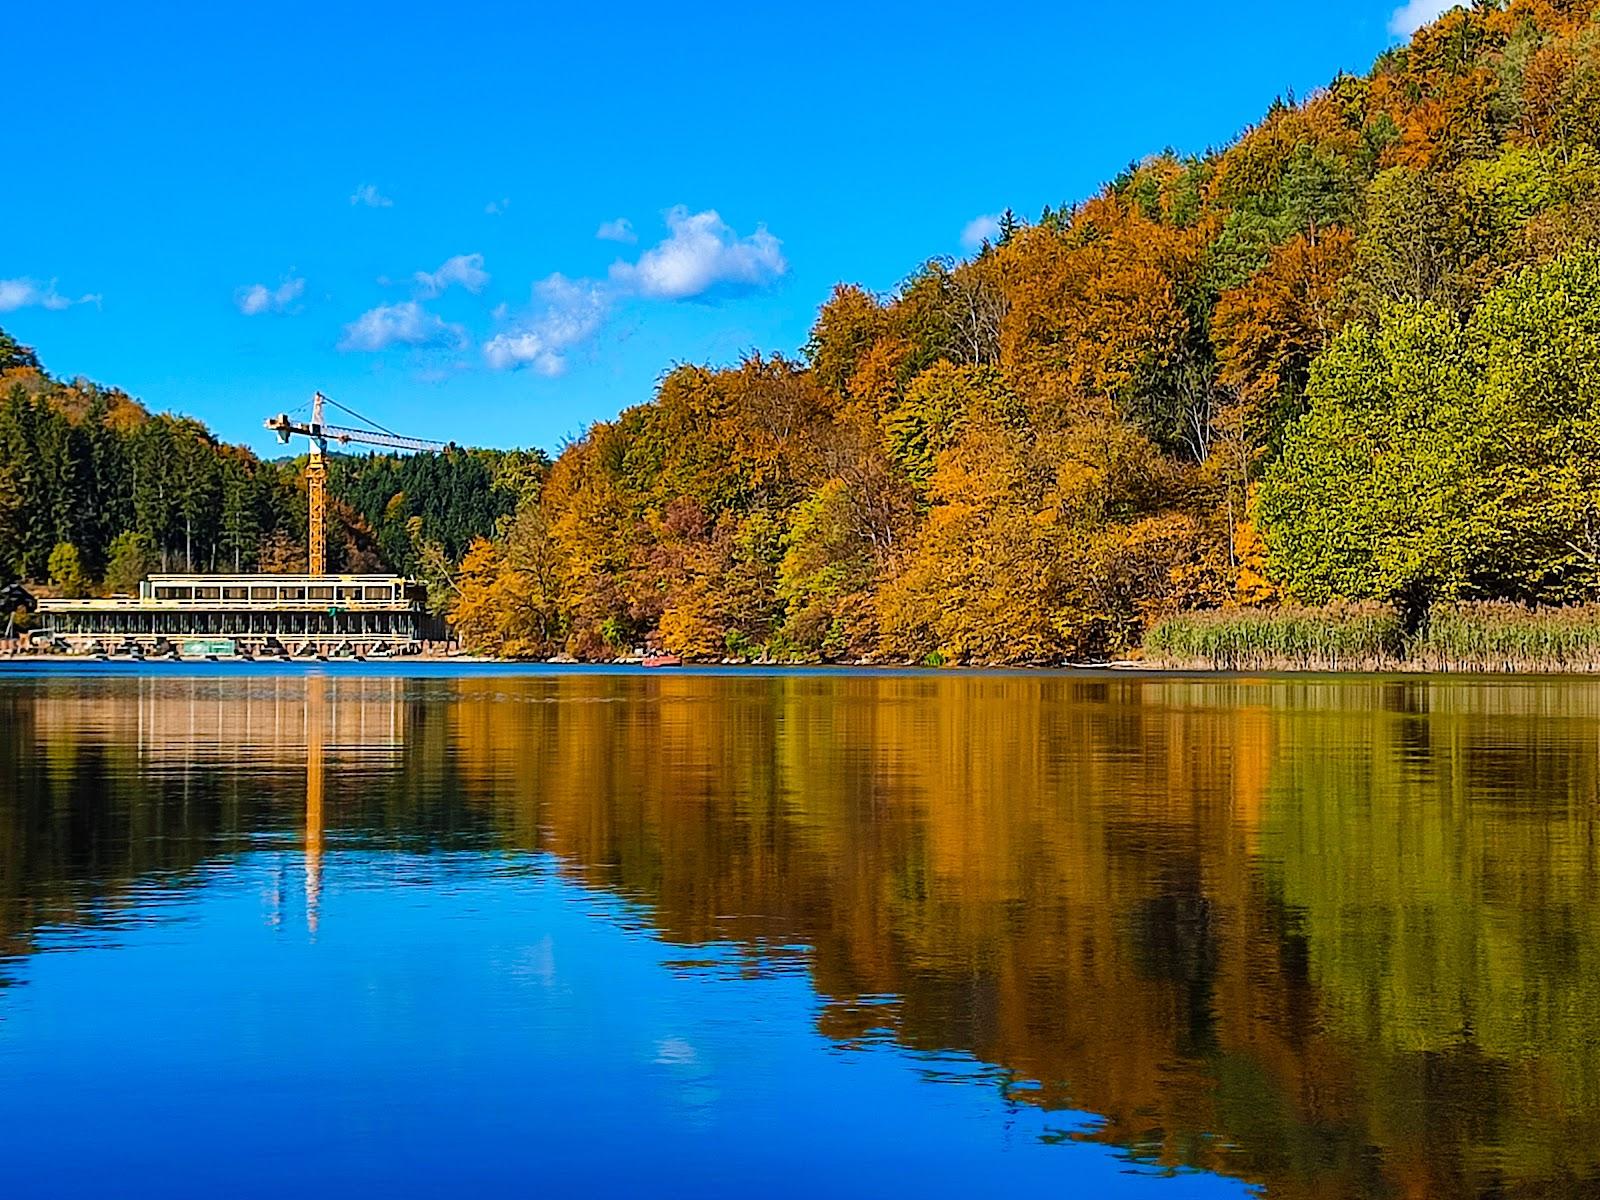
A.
pixel 662 660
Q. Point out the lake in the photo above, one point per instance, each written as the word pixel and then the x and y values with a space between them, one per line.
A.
pixel 414 931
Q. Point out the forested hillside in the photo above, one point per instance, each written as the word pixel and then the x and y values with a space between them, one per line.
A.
pixel 95 492
pixel 1351 355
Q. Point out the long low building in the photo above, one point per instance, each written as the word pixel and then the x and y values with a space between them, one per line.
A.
pixel 224 614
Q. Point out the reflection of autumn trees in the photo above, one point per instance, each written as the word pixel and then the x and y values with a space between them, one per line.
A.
pixel 933 843
pixel 72 830
pixel 1334 936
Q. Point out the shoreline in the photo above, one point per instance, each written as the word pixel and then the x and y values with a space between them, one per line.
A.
pixel 432 664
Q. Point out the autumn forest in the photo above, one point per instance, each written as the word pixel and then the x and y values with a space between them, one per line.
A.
pixel 1349 359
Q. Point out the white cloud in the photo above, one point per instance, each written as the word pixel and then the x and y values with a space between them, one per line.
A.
pixel 369 195
pixel 985 228
pixel 464 269
pixel 1414 14
pixel 258 298
pixel 700 255
pixel 567 313
pixel 28 293
pixel 407 324
pixel 496 207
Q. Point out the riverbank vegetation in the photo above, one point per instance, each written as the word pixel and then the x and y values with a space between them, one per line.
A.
pixel 1481 637
pixel 1347 637
pixel 1351 358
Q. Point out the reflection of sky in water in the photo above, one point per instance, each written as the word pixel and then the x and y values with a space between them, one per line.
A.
pixel 456 1024
pixel 813 932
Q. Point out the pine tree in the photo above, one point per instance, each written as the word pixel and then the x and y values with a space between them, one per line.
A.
pixel 240 535
pixel 15 355
pixel 154 503
pixel 15 457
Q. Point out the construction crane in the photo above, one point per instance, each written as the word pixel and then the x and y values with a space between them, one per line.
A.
pixel 320 433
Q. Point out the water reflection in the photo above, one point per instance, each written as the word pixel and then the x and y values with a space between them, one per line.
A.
pixel 1336 937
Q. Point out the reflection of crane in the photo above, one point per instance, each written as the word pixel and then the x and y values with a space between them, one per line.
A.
pixel 314 784
pixel 317 469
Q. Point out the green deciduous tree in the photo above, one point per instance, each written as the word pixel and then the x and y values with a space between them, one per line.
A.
pixel 1448 460
pixel 67 575
pixel 130 558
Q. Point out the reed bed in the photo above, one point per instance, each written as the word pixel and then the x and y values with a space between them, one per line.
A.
pixel 1366 637
pixel 1508 637
pixel 1483 637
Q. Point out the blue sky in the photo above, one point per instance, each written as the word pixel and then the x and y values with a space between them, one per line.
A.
pixel 497 223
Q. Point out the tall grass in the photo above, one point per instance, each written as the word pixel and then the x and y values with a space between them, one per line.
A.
pixel 1508 637
pixel 1366 637
pixel 1457 637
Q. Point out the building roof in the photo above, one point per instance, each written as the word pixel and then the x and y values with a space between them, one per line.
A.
pixel 258 592
pixel 267 580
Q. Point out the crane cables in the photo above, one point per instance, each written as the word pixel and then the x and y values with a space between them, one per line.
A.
pixel 345 408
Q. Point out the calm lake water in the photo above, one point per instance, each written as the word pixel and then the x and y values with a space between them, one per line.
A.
pixel 269 932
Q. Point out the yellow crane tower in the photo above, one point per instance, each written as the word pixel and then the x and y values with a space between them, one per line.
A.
pixel 320 434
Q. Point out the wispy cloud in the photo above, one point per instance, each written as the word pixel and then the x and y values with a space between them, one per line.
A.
pixel 496 208
pixel 701 255
pixel 369 195
pixel 620 230
pixel 566 313
pixel 1414 14
pixel 406 324
pixel 980 229
pixel 29 293
pixel 463 270
pixel 258 298
pixel 25 293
